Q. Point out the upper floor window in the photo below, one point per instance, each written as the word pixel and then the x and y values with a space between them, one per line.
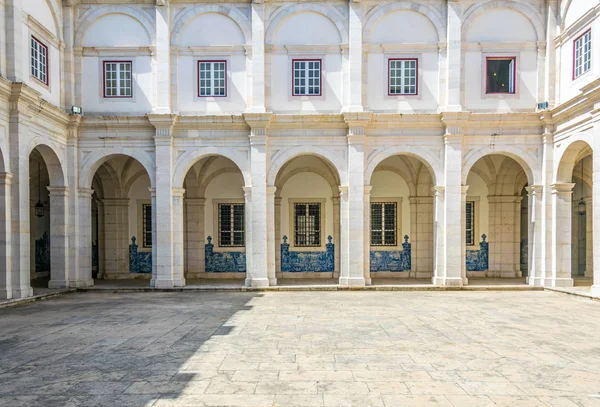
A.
pixel 117 79
pixel 402 77
pixel 147 226
pixel 383 223
pixel 306 77
pixel 307 224
pixel 582 54
pixel 470 223
pixel 212 79
pixel 500 72
pixel 232 225
pixel 39 61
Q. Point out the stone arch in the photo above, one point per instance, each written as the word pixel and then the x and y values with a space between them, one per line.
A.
pixel 527 160
pixel 334 187
pixel 190 157
pixel 408 178
pixel 90 164
pixel 191 13
pixel 379 11
pixel 94 14
pixel 208 179
pixel 130 180
pixel 56 170
pixel 476 11
pixel 430 160
pixel 284 156
pixel 575 150
pixel 326 11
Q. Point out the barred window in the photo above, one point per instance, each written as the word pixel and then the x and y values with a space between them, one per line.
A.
pixel 307 224
pixel 383 223
pixel 232 226
pixel 582 54
pixel 470 223
pixel 147 226
pixel 117 79
pixel 211 78
pixel 39 61
pixel 402 77
pixel 307 77
pixel 500 75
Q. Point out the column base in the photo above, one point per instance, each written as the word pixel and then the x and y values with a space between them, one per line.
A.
pixel 257 282
pixel 449 281
pixel 22 292
pixel 5 294
pixel 352 281
pixel 156 283
pixel 82 283
pixel 535 281
pixel 561 282
pixel 59 284
pixel 596 290
pixel 179 282
pixel 273 281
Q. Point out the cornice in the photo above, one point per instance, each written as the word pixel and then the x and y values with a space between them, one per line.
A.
pixel 590 94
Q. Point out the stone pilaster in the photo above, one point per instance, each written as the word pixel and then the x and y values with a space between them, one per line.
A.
pixel 195 240
pixel 561 240
pixel 421 236
pixel 84 203
pixel 257 101
pixel 162 58
pixel 277 220
pixel 5 237
pixel 439 208
pixel 595 209
pixel 271 242
pixel 355 57
pixel 367 233
pixel 178 234
pixel 454 57
pixel 589 238
pixel 116 237
pixel 68 71
pixel 551 61
pixel 344 232
pixel 535 235
pixel 336 237
pixel 547 196
pixel 59 239
pixel 504 236
pixel 15 25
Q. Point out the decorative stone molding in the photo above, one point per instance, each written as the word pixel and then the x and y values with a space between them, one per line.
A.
pixel 565 188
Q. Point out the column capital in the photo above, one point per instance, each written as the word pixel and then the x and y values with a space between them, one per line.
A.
pixel 534 190
pixel 565 188
pixel 259 125
pixel 357 122
pixel 247 191
pixel 58 191
pixel 85 192
pixel 163 123
pixel 438 190
pixel 464 189
pixel 6 178
pixel 152 192
pixel 21 98
pixel 343 192
pixel 368 189
pixel 271 191
pixel 178 192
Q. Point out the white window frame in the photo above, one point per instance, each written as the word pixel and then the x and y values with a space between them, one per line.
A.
pixel 39 60
pixel 403 77
pixel 212 87
pixel 582 45
pixel 306 70
pixel 119 90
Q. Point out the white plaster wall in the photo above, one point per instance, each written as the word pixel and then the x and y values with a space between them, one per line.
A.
pixel 222 187
pixel 40 11
pixel 202 29
pixel 492 27
pixel 388 184
pixel 576 10
pixel 403 26
pixel 304 28
pixel 306 185
pixel 103 32
pixel 138 192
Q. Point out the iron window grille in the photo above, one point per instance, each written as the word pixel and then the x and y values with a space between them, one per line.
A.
pixel 117 79
pixel 402 77
pixel 39 61
pixel 470 223
pixel 307 224
pixel 582 54
pixel 500 73
pixel 383 223
pixel 147 226
pixel 306 77
pixel 232 225
pixel 212 78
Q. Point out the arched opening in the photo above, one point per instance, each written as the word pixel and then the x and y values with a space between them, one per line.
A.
pixel 496 214
pixel 121 220
pixel 307 219
pixel 401 220
pixel 215 221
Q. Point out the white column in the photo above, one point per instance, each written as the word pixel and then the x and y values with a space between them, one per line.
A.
pixel 116 237
pixel 277 221
pixel 504 237
pixel 463 233
pixel 367 234
pixel 589 239
pixel 249 235
pixel 84 200
pixel 162 104
pixel 561 240
pixel 258 58
pixel 535 235
pixel 59 238
pixel 355 56
pixel 68 72
pixel 550 59
pixel 344 231
pixel 178 274
pixel 195 236
pixel 595 209
pixel 438 235
pixel 76 231
pixel 5 238
pixel 271 242
pixel 421 236
pixel 14 41
pixel 454 57
pixel 336 236
pixel 546 262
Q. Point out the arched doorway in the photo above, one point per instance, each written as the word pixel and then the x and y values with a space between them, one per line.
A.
pixel 215 222
pixel 307 219
pixel 401 220
pixel 495 231
pixel 120 232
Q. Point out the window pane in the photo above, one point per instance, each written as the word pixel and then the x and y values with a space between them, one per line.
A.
pixel 147 225
pixel 500 75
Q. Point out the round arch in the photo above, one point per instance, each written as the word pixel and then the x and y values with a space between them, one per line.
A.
pixel 206 181
pixel 334 187
pixel 426 157
pixel 282 157
pixel 191 157
pixel 569 158
pixel 56 15
pixel 56 171
pixel 93 14
pixel 526 160
pixel 193 12
pixel 527 10
pixel 380 10
pixel 92 162
pixel 326 11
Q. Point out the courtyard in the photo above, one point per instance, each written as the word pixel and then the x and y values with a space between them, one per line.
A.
pixel 309 348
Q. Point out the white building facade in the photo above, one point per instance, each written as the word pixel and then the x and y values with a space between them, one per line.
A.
pixel 266 140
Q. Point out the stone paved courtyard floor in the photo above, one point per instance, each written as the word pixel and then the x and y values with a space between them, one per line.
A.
pixel 302 349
